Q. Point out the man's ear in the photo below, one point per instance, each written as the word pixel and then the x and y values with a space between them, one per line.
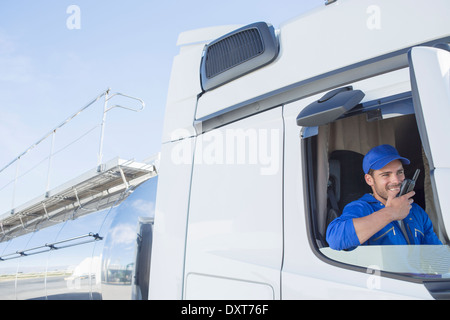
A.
pixel 369 179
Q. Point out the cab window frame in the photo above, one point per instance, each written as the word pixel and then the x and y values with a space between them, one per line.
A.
pixel 309 146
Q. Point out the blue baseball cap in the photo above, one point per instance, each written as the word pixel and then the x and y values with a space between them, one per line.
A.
pixel 380 156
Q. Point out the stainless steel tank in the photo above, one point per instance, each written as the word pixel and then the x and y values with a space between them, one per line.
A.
pixel 101 255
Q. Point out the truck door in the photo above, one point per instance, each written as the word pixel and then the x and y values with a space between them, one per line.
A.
pixel 234 236
pixel 430 82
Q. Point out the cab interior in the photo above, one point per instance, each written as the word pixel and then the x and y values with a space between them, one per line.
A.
pixel 335 152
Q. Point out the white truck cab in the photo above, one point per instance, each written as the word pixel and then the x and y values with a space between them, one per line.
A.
pixel 262 125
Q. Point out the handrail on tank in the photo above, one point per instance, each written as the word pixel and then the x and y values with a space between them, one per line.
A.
pixel 105 110
pixel 107 96
pixel 52 246
pixel 53 130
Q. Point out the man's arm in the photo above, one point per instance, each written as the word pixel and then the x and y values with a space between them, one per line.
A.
pixel 395 209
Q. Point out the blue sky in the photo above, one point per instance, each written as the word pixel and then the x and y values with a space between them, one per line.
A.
pixel 48 71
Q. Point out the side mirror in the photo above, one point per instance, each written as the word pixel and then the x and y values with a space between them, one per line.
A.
pixel 330 107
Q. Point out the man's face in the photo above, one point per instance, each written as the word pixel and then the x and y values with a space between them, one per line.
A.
pixel 386 181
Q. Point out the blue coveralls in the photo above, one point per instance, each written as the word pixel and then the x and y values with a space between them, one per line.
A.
pixel 341 233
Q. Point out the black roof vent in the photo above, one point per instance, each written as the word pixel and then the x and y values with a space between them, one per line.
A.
pixel 238 53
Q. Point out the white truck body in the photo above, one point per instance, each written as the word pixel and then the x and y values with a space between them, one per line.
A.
pixel 246 161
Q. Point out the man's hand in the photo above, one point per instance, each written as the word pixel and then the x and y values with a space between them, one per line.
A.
pixel 399 207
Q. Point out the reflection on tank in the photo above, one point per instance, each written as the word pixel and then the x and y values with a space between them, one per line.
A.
pixel 93 256
pixel 117 275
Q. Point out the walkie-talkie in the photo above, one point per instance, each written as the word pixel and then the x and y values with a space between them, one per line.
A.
pixel 408 184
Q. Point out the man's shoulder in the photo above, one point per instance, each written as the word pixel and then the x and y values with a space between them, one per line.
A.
pixel 366 199
pixel 360 207
pixel 418 211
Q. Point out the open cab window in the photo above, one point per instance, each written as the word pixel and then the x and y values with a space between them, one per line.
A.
pixel 335 138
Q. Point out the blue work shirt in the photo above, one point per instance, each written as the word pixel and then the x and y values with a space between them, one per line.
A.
pixel 341 234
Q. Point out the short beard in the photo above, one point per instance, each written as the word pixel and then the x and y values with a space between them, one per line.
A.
pixel 384 195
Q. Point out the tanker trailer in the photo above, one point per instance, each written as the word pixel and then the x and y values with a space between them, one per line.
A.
pixel 94 245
